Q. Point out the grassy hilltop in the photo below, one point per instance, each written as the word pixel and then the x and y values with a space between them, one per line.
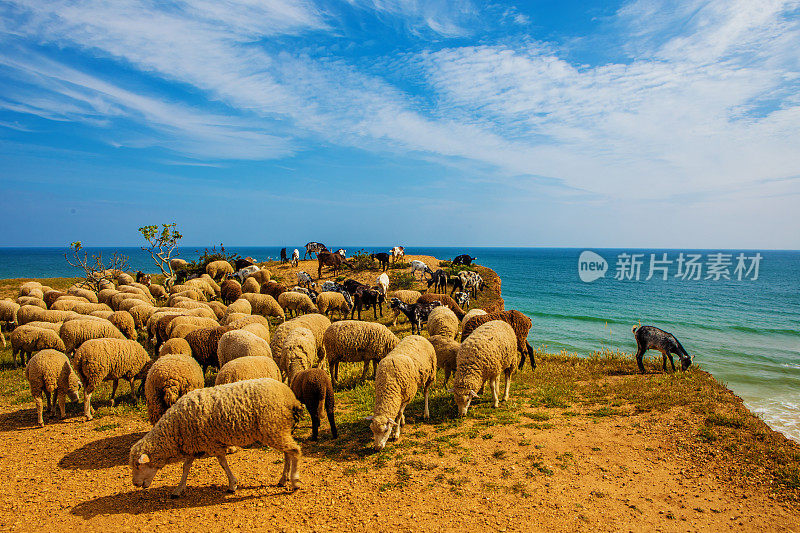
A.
pixel 583 443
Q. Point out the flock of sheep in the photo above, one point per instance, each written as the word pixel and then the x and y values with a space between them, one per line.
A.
pixel 266 373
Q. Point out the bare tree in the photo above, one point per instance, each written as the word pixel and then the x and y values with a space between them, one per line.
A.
pixel 161 246
pixel 97 272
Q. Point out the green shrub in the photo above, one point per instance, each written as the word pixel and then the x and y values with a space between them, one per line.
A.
pixel 361 261
pixel 401 280
pixel 399 265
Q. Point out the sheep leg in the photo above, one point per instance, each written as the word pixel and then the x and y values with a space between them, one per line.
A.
pixel 332 422
pixel 87 404
pixel 366 369
pixel 187 465
pixel 39 408
pixel 49 405
pixel 446 377
pixel 495 384
pixel 374 369
pixel 233 483
pixel 427 413
pixel 286 466
pixel 133 390
pixel 62 400
pixel 114 391
pixel 314 410
pixel 508 384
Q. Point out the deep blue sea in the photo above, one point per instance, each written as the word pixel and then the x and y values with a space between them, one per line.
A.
pixel 745 332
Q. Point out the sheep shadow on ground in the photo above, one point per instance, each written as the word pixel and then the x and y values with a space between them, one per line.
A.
pixel 101 454
pixel 152 500
pixel 25 419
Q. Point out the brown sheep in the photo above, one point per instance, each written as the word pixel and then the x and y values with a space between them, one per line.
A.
pixel 273 288
pixel 204 342
pixel 312 388
pixel 230 290
pixel 519 322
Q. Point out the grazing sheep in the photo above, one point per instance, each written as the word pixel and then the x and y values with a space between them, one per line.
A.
pixel 213 284
pixel 489 351
pixel 182 330
pixel 170 377
pixel 123 321
pixel 298 353
pixel 405 296
pixel 265 305
pixel 118 298
pixel 251 285
pixel 240 343
pixel 26 340
pixel 123 278
pixel 33 300
pixel 204 343
pixel 51 296
pixel 316 322
pixel 76 332
pixel 8 312
pixel 104 296
pixel 410 366
pixel 30 313
pixel 328 302
pixel 521 324
pixel 218 308
pixel 230 290
pixel 200 284
pixel 471 313
pixel 240 306
pixel 99 360
pixel 176 321
pixel 49 372
pixel 218 269
pixel 442 321
pixel 248 367
pixel 187 294
pixel 54 326
pixel 446 354
pixel 313 388
pixel 141 313
pixel 273 288
pixel 177 264
pixel 295 302
pixel 259 330
pixel 352 341
pixel 86 293
pixel 206 422
pixel 241 321
pixel 175 346
pixel 26 288
pixel 158 292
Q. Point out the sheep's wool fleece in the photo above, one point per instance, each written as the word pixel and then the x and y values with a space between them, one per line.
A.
pixel 354 340
pixel 97 359
pixel 170 377
pixel 443 321
pixel 489 350
pixel 410 366
pixel 316 322
pixel 205 422
pixel 249 367
pixel 48 370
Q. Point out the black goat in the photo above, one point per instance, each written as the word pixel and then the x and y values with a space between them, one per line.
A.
pixel 284 259
pixel 439 281
pixel 463 259
pixel 366 297
pixel 243 263
pixel 417 313
pixel 383 260
pixel 648 337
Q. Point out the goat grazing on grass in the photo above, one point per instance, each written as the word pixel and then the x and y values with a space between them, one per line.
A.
pixel 651 337
pixel 417 313
pixel 314 248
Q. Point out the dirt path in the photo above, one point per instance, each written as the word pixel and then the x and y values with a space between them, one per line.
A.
pixel 580 474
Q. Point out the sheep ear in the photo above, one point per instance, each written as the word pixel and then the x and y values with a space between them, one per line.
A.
pixel 369 417
pixel 143 459
pixel 473 394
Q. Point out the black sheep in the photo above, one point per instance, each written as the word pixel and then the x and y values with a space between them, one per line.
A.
pixel 366 297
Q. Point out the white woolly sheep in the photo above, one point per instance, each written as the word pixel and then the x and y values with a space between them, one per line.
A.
pixel 410 366
pixel 489 351
pixel 30 313
pixel 239 306
pixel 193 320
pixel 353 341
pixel 175 345
pixel 298 353
pixel 26 340
pixel 240 320
pixel 240 343
pixel 264 305
pixel 248 367
pixel 123 278
pixel 471 313
pixel 259 330
pixel 49 372
pixel 262 276
pixel 32 300
pixel 328 302
pixel 158 291
pixel 177 264
pixel 170 377
pixel 316 322
pixel 443 321
pixel 123 321
pixel 104 296
pixel 86 293
pixel 26 287
pixel 218 269
pixel 206 422
pixel 446 354
pixel 251 285
pixel 76 332
pixel 99 360
pixel 295 302
pixel 8 312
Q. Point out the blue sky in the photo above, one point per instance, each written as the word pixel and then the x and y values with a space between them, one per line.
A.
pixel 634 124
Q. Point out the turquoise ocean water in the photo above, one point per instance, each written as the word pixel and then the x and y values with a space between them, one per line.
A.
pixel 745 332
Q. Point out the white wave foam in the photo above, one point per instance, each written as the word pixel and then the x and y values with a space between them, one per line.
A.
pixel 781 414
